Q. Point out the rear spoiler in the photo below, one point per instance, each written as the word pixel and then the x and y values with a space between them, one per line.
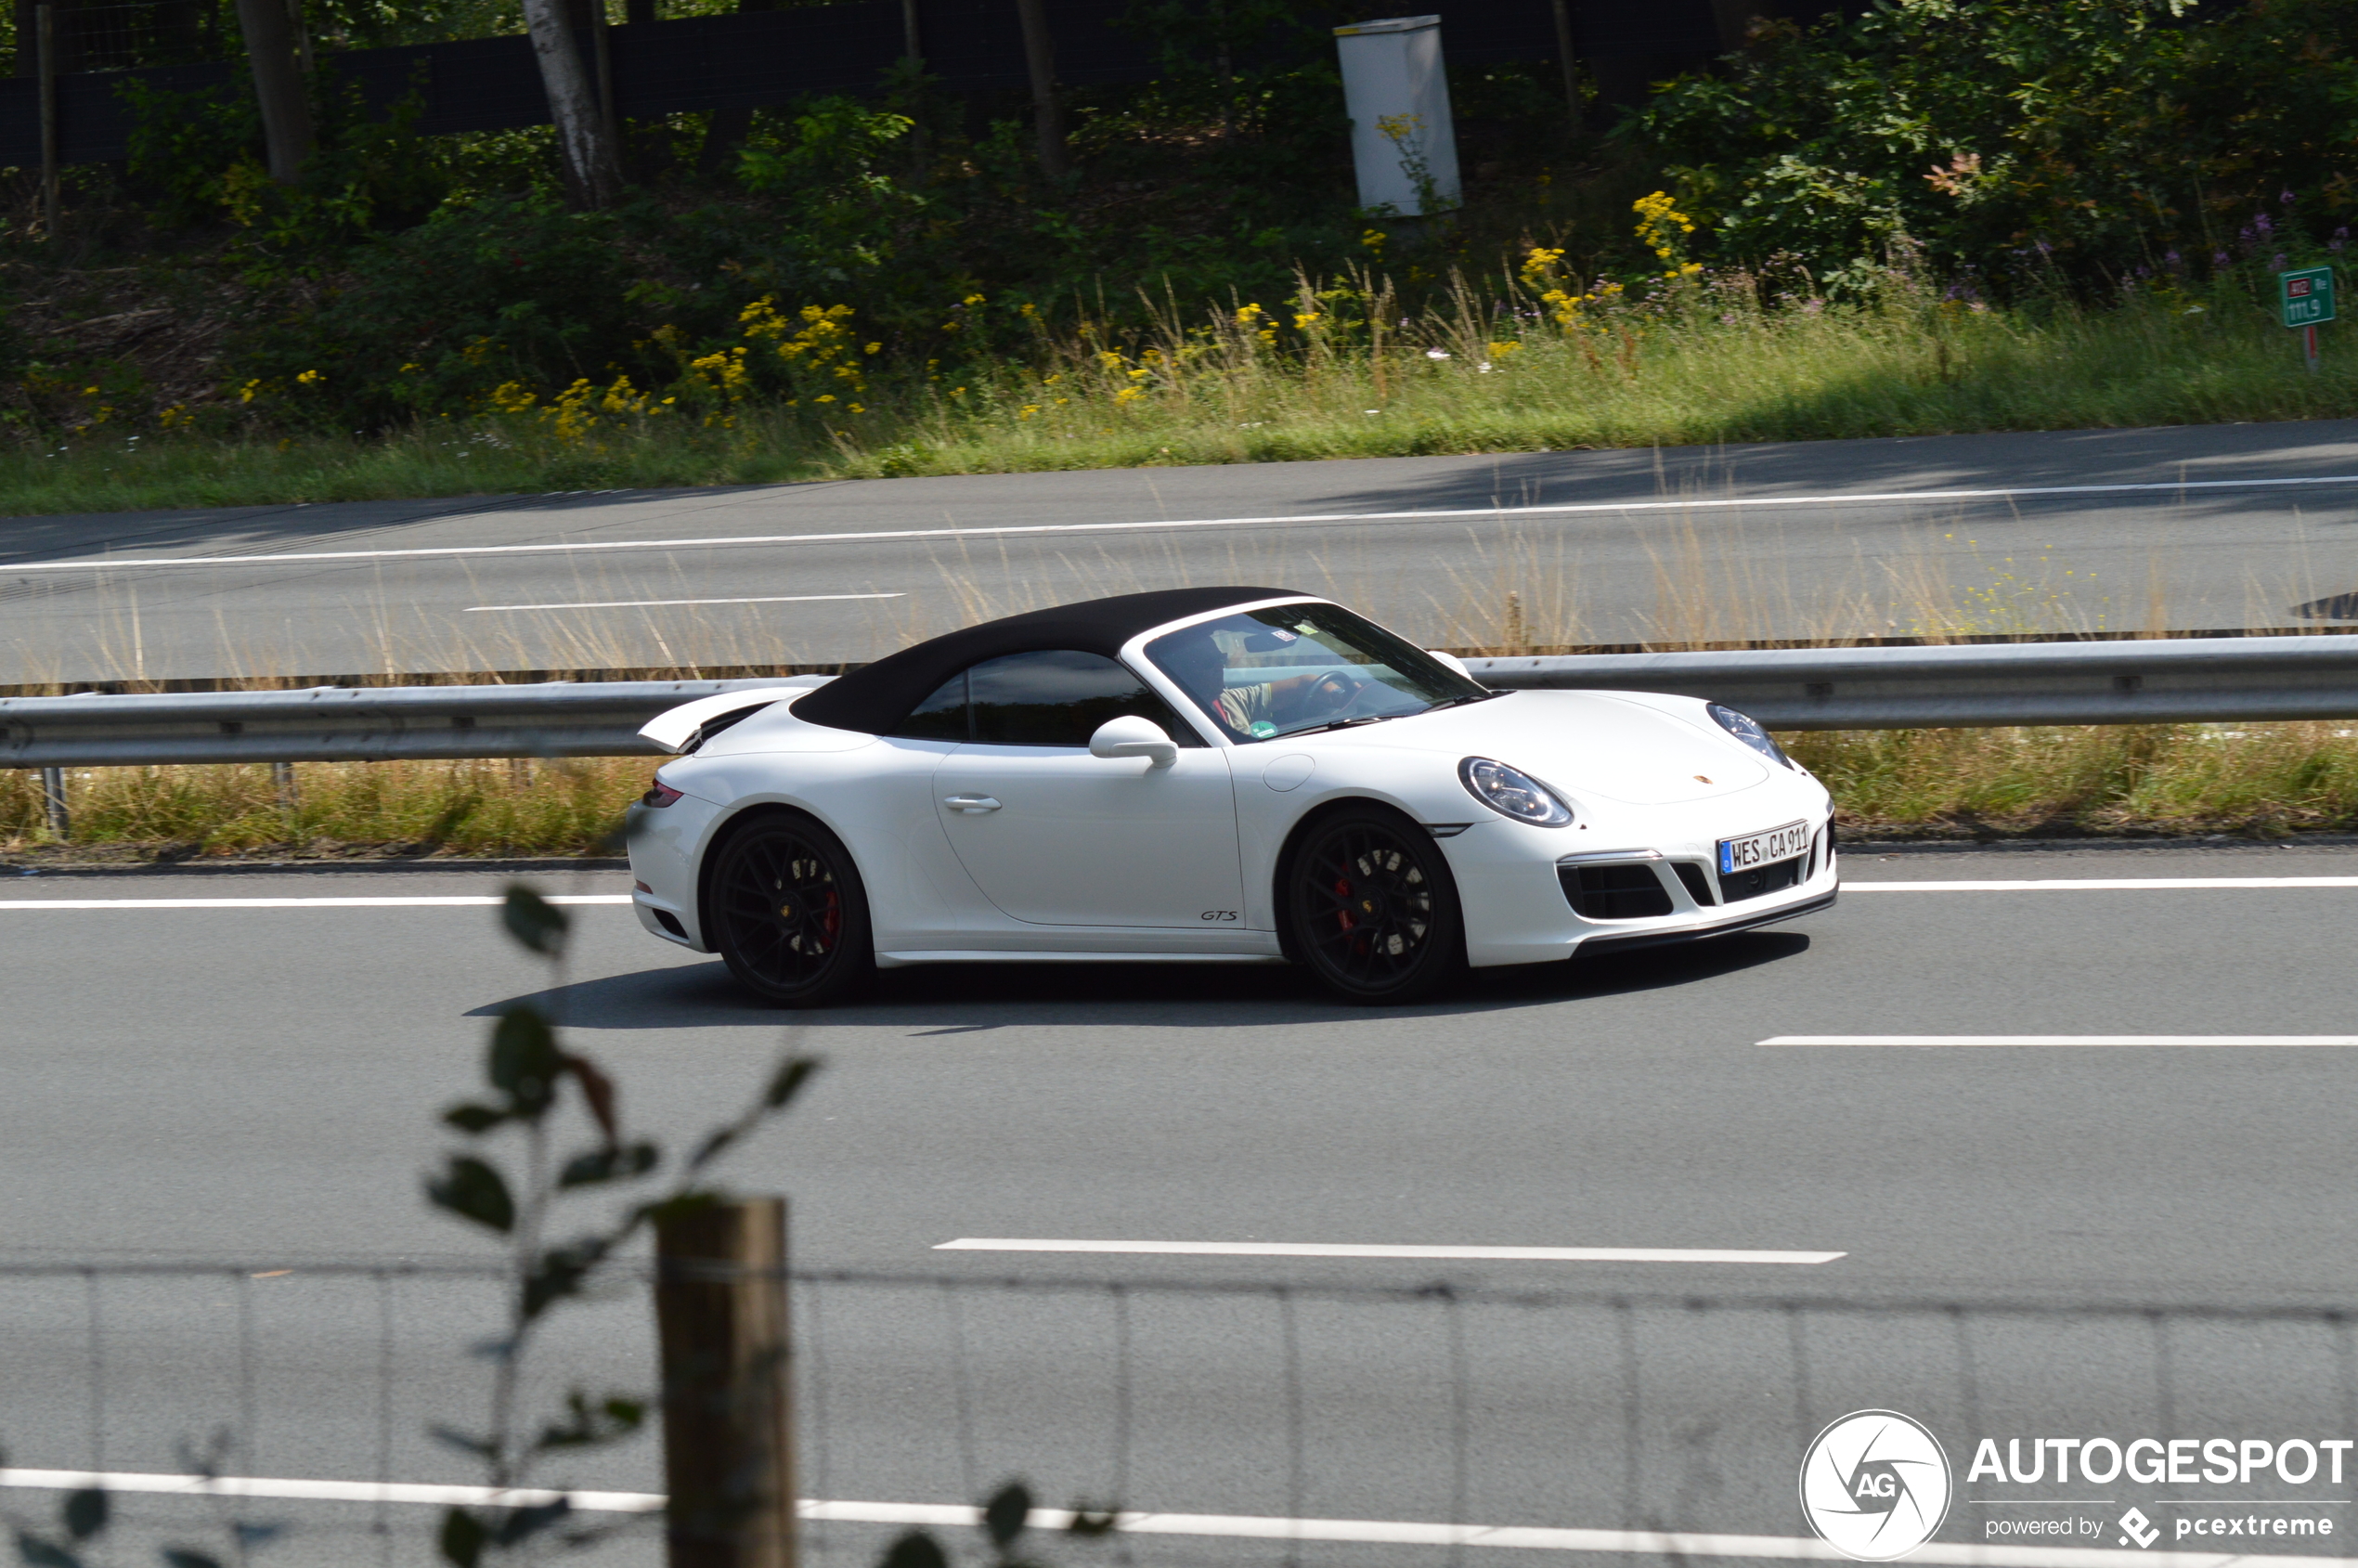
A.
pixel 682 729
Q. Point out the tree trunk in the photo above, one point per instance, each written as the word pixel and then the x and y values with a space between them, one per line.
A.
pixel 271 46
pixel 725 132
pixel 584 136
pixel 1733 19
pixel 1047 108
pixel 1570 65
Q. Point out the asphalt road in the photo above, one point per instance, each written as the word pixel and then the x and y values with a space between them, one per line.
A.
pixel 250 1087
pixel 2213 527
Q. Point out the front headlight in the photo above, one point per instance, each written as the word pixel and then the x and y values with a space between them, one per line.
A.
pixel 1513 792
pixel 1747 728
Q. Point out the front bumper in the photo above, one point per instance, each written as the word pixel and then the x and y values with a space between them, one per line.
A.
pixel 1523 909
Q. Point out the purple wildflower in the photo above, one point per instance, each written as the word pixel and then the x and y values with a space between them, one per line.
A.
pixel 2341 237
pixel 2219 258
pixel 2285 198
pixel 2279 265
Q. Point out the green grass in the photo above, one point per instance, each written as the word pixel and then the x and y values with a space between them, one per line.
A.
pixel 1705 364
pixel 2261 780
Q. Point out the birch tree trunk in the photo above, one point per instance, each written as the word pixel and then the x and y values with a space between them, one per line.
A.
pixel 271 47
pixel 583 137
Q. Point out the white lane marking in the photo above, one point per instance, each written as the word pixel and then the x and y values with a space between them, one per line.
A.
pixel 1569 509
pixel 453 900
pixel 2060 1040
pixel 1323 1249
pixel 324 1491
pixel 2101 884
pixel 649 603
pixel 1366 1532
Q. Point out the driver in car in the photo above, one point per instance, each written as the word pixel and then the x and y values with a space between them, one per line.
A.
pixel 1200 665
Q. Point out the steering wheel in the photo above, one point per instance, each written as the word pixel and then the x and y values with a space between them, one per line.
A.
pixel 1331 693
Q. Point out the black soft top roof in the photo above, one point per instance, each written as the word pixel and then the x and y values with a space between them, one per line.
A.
pixel 878 696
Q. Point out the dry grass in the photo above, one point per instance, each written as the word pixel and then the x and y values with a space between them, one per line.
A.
pixel 2259 780
pixel 483 807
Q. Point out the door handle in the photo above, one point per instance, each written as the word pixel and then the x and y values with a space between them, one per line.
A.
pixel 970 804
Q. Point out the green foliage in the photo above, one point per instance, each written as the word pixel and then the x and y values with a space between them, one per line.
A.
pixel 525 1068
pixel 83 1518
pixel 437 319
pixel 1005 1515
pixel 2023 138
pixel 185 146
pixel 198 157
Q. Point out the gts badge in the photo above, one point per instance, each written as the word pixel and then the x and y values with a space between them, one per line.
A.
pixel 1221 915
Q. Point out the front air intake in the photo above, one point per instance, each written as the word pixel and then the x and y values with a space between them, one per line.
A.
pixel 1690 877
pixel 1615 892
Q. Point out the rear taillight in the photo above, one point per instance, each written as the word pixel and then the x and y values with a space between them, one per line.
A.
pixel 661 794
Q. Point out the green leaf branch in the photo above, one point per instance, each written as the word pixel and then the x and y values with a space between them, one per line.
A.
pixel 539 1095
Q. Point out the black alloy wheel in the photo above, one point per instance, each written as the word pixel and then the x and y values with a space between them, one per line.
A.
pixel 788 912
pixel 1371 909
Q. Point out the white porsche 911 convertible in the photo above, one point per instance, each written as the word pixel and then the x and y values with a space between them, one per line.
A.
pixel 1210 775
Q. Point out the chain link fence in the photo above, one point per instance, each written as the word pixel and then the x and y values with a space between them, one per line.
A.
pixel 1232 1421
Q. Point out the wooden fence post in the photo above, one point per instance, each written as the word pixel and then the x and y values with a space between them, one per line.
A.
pixel 728 1413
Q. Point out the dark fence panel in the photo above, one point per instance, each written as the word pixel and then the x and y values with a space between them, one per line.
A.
pixel 759 59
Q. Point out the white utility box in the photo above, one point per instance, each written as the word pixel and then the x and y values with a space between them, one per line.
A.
pixel 1397 96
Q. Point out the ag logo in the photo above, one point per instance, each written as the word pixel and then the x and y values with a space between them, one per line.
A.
pixel 1876 1485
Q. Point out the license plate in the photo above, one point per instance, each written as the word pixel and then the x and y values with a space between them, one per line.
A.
pixel 1759 849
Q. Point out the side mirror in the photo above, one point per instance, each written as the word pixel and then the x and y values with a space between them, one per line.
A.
pixel 1453 661
pixel 1132 736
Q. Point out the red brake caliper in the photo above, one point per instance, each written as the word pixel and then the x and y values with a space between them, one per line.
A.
pixel 1343 891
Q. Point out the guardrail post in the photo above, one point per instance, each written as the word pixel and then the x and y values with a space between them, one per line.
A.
pixel 282 780
pixel 53 798
pixel 727 1418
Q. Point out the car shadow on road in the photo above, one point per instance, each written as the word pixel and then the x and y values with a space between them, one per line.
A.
pixel 951 999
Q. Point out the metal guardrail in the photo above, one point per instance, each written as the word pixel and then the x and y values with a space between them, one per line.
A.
pixel 2142 681
pixel 2123 683
pixel 342 723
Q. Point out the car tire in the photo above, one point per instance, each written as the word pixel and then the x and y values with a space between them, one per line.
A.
pixel 1370 908
pixel 787 913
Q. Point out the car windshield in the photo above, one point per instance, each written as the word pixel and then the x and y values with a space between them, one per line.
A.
pixel 1260 674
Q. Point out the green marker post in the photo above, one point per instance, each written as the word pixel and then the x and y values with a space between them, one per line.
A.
pixel 2305 299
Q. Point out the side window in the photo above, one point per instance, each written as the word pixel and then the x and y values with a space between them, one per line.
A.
pixel 941 716
pixel 1058 698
